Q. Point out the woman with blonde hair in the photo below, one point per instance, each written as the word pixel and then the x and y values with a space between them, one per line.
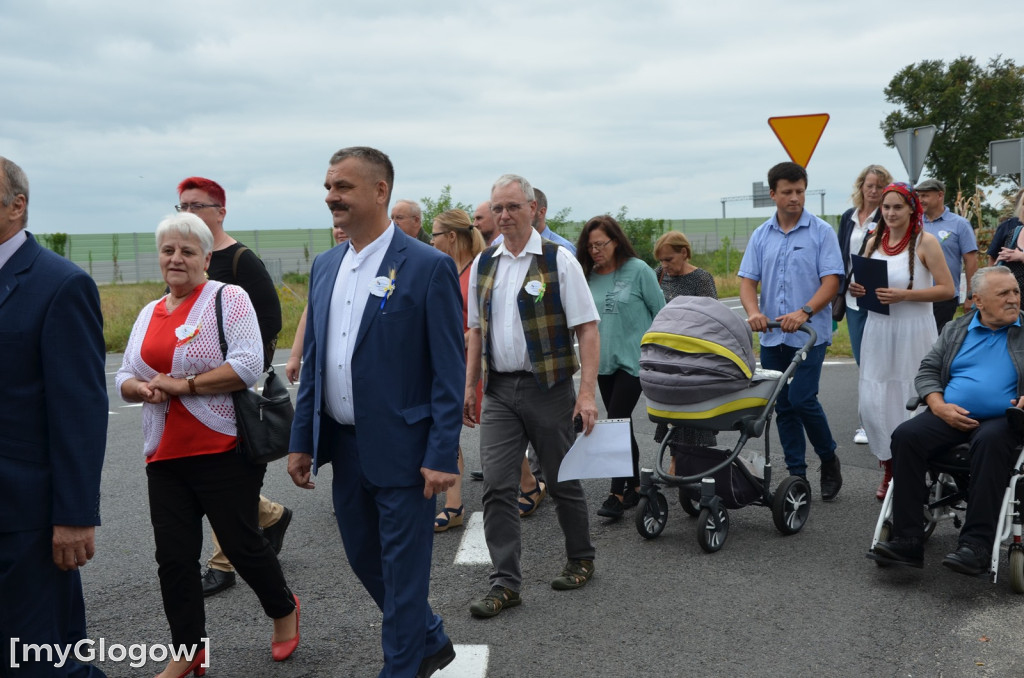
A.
pixel 454 234
pixel 855 226
pixel 676 275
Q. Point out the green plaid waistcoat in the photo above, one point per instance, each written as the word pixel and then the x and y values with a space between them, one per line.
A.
pixel 549 341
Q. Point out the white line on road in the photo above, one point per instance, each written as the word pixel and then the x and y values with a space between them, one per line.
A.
pixel 473 549
pixel 470 662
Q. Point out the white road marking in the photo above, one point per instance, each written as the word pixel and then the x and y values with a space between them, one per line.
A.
pixel 470 662
pixel 473 549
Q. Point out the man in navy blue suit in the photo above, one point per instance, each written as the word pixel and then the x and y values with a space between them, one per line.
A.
pixel 53 433
pixel 380 397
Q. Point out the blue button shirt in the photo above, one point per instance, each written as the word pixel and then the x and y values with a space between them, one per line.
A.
pixel 790 267
pixel 982 378
pixel 957 239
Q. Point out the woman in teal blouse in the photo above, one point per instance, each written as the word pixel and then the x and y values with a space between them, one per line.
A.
pixel 628 297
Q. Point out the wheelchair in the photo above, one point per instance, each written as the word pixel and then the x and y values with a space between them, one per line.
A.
pixel 948 481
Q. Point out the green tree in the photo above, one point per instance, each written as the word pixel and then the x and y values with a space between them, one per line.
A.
pixel 431 207
pixel 642 233
pixel 969 105
pixel 58 242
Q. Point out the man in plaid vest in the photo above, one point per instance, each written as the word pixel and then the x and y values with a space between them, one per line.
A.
pixel 527 298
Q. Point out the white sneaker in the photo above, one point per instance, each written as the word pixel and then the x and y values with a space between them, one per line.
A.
pixel 860 437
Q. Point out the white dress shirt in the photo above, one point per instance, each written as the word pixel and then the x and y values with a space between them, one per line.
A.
pixel 508 342
pixel 11 245
pixel 348 301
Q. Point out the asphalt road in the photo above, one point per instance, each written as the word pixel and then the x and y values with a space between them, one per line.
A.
pixel 809 604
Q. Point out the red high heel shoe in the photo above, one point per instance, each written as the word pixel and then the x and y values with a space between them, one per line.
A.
pixel 195 667
pixel 282 650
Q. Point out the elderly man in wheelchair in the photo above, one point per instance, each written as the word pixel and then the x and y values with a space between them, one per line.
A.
pixel 967 380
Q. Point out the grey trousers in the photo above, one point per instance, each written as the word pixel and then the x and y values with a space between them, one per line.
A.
pixel 516 411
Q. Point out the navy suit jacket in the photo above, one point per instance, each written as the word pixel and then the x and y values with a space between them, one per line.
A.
pixel 53 395
pixel 408 366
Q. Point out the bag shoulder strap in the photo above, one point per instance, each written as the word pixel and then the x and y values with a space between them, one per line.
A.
pixel 234 262
pixel 220 322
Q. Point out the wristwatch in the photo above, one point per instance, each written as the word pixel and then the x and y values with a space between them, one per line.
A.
pixel 808 310
pixel 191 379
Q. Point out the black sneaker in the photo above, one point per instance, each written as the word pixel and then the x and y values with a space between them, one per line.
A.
pixel 908 552
pixel 831 479
pixel 630 498
pixel 611 508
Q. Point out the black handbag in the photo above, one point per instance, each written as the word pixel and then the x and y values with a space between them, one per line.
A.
pixel 264 421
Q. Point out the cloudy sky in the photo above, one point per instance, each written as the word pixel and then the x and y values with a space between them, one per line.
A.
pixel 661 106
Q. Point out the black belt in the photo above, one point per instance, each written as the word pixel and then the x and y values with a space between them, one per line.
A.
pixel 517 373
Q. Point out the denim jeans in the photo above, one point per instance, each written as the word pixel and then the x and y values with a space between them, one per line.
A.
pixel 797 410
pixel 855 321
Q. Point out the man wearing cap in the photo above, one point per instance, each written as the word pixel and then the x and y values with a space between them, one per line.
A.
pixel 958 244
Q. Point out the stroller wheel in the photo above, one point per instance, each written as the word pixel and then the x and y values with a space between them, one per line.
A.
pixel 791 505
pixel 709 537
pixel 651 520
pixel 690 505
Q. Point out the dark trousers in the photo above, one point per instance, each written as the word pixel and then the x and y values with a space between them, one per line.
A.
pixel 388 534
pixel 944 312
pixel 797 409
pixel 225 488
pixel 925 436
pixel 39 604
pixel 620 392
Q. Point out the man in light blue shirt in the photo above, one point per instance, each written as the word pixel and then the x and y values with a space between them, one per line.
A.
pixel 958 244
pixel 796 259
pixel 541 226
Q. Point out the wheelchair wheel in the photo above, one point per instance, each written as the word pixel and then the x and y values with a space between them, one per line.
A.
pixel 791 505
pixel 691 506
pixel 651 520
pixel 1017 570
pixel 709 538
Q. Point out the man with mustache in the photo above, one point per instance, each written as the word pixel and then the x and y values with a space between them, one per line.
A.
pixel 973 372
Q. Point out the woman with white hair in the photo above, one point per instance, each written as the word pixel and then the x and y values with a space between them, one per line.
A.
pixel 174 365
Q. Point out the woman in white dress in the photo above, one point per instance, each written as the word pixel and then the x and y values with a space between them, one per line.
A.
pixel 894 344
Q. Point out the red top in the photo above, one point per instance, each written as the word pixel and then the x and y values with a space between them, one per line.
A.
pixel 184 435
pixel 464 285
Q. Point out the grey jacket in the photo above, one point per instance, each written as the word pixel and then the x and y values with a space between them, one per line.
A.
pixel 933 374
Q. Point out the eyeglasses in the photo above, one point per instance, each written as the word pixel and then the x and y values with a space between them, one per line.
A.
pixel 437 233
pixel 193 206
pixel 595 246
pixel 512 208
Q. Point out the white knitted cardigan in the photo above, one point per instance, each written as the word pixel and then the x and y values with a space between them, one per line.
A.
pixel 197 355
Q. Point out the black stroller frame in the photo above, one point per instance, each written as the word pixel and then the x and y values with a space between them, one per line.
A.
pixel 698 493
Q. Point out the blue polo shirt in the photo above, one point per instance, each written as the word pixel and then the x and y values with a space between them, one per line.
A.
pixel 790 267
pixel 982 378
pixel 957 239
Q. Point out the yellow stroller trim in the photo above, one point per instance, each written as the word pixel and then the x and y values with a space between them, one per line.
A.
pixel 686 344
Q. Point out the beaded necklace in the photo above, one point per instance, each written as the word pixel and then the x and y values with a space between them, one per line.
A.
pixel 900 246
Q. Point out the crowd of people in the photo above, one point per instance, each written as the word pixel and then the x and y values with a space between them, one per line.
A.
pixel 402 345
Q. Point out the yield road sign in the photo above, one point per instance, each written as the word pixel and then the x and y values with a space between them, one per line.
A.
pixel 913 145
pixel 799 134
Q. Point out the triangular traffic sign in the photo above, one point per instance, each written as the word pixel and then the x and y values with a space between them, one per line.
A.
pixel 799 134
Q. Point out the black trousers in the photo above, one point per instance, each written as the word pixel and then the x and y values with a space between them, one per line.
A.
pixel 944 311
pixel 620 392
pixel 226 489
pixel 993 451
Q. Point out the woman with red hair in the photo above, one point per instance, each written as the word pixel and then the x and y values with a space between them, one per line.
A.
pixel 893 344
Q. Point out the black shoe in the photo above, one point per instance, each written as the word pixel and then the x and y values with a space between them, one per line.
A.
pixel 476 475
pixel 967 560
pixel 831 479
pixel 630 498
pixel 215 581
pixel 436 661
pixel 611 508
pixel 275 533
pixel 909 552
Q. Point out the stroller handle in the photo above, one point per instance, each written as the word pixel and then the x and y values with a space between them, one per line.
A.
pixel 812 336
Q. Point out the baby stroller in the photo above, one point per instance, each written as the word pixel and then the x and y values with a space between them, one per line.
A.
pixel 697 370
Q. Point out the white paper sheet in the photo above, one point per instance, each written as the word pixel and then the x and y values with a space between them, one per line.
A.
pixel 605 453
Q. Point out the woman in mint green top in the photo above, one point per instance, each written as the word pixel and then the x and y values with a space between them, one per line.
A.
pixel 628 297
